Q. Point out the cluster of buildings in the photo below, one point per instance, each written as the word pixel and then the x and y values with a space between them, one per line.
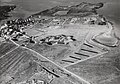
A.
pixel 66 20
pixel 7 31
pixel 58 39
pixel 95 20
pixel 21 22
pixel 14 28
pixel 87 20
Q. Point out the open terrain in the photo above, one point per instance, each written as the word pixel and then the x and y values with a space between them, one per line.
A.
pixel 79 47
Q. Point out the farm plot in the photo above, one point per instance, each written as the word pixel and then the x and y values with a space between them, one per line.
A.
pixel 86 51
pixel 99 70
pixel 6 47
pixel 11 60
pixel 24 66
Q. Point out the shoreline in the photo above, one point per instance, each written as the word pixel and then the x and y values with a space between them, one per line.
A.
pixel 116 29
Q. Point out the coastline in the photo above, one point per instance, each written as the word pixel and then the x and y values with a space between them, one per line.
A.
pixel 116 25
pixel 116 28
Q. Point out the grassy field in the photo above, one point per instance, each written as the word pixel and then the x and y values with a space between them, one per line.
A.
pixel 52 52
pixel 6 47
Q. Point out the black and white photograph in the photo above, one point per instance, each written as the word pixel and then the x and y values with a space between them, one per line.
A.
pixel 59 41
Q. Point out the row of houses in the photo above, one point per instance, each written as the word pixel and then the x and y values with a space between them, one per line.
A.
pixel 58 39
pixel 91 20
pixel 14 30
pixel 61 21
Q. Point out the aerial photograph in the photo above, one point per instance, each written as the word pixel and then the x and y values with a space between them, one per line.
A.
pixel 59 41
